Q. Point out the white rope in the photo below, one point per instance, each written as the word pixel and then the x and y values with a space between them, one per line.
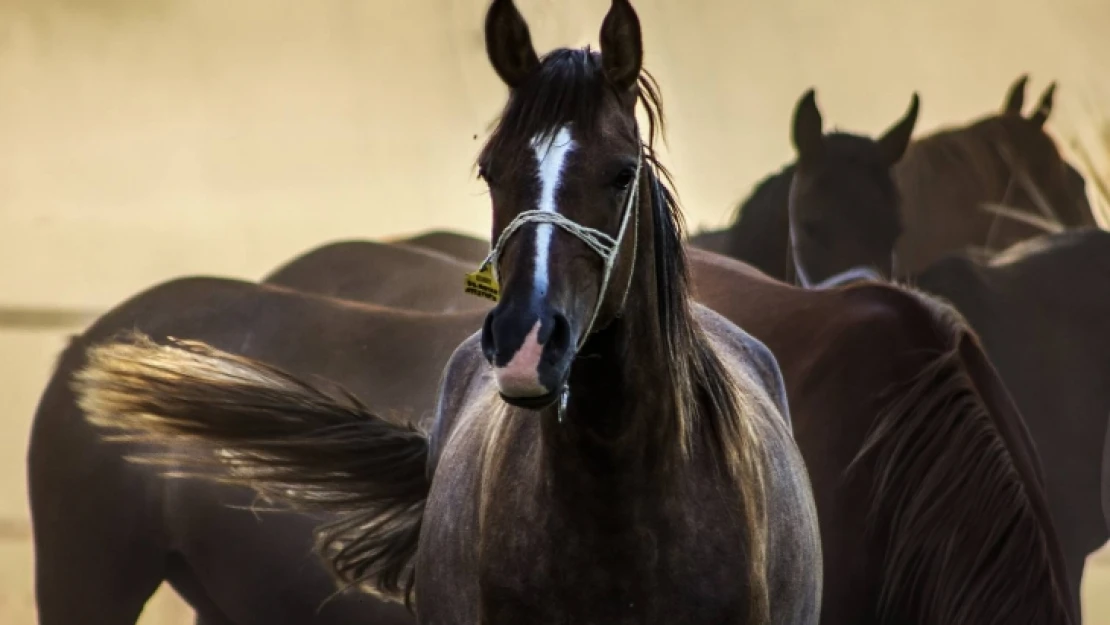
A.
pixel 602 244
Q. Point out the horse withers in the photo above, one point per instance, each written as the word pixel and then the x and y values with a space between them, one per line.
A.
pixel 575 474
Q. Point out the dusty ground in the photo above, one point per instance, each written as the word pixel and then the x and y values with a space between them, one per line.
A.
pixel 145 139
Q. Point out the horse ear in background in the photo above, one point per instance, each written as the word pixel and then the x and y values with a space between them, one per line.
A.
pixel 509 44
pixel 808 135
pixel 622 51
pixel 1015 98
pixel 893 143
pixel 1044 107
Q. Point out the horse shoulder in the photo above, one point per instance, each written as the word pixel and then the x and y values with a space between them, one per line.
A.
pixel 749 353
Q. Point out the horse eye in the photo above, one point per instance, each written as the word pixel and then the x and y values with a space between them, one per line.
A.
pixel 623 179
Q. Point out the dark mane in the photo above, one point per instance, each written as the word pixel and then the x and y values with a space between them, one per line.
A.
pixel 940 566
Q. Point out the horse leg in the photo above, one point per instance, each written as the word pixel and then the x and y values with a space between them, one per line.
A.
pixel 98 539
pixel 94 563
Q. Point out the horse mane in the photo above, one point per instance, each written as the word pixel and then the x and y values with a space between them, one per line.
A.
pixel 937 449
pixel 713 404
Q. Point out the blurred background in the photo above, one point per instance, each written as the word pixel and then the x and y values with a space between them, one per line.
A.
pixel 147 139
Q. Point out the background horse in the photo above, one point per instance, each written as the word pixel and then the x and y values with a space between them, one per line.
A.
pixel 1041 313
pixel 837 165
pixel 640 443
pixel 846 235
pixel 947 177
pixel 107 532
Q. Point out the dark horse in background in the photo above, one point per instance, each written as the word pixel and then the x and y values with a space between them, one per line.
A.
pixel 948 187
pixel 604 450
pixel 1006 161
pixel 1049 350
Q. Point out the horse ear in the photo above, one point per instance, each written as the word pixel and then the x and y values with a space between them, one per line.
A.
pixel 808 135
pixel 509 44
pixel 1015 99
pixel 1044 107
pixel 892 145
pixel 622 50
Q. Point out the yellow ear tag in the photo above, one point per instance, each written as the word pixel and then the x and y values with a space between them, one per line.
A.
pixel 483 283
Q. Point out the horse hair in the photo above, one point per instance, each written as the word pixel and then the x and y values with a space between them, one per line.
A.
pixel 289 440
pixel 936 451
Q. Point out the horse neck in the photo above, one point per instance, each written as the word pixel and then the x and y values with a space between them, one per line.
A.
pixel 622 386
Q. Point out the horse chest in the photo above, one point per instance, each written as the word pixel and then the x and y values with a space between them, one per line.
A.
pixel 604 557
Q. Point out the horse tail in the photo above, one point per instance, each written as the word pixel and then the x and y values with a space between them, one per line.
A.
pixel 289 440
pixel 957 492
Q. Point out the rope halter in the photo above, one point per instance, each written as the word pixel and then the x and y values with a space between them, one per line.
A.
pixel 605 246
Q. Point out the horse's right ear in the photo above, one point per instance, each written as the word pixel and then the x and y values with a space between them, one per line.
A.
pixel 808 135
pixel 1044 107
pixel 893 143
pixel 509 44
pixel 1015 99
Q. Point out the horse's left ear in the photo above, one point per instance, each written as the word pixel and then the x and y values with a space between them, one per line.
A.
pixel 622 49
pixel 1044 107
pixel 893 144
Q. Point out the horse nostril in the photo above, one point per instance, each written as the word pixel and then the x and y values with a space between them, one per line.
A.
pixel 489 349
pixel 559 341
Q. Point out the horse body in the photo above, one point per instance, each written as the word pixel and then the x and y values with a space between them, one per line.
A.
pixel 1042 320
pixel 108 532
pixel 611 520
pixel 831 235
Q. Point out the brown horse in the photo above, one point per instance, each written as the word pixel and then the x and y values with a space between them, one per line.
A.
pixel 848 208
pixel 659 477
pixel 850 168
pixel 1041 310
pixel 1006 159
pixel 107 532
pixel 846 237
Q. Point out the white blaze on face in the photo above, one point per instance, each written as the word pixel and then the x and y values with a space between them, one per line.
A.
pixel 551 155
pixel 520 376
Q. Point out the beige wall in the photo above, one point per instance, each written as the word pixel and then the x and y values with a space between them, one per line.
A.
pixel 146 139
